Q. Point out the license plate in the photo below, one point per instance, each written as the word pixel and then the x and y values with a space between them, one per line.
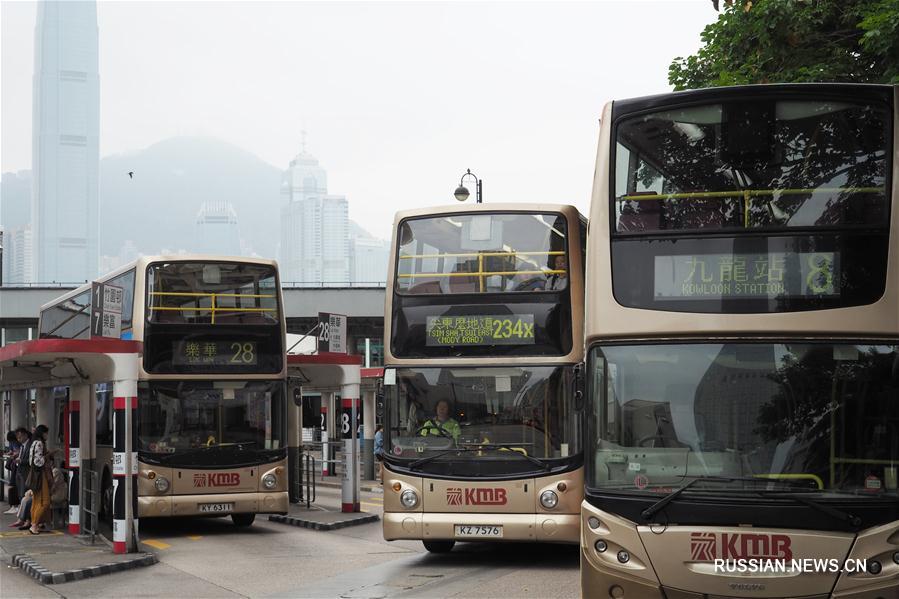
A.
pixel 479 530
pixel 216 507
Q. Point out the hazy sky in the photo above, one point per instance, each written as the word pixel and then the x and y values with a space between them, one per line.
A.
pixel 398 99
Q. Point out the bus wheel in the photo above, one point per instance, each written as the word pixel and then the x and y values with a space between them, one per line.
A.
pixel 243 519
pixel 439 546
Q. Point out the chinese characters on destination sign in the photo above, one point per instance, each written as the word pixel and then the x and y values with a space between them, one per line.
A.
pixel 514 329
pixel 803 274
pixel 214 353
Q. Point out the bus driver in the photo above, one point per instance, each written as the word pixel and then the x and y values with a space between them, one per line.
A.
pixel 441 423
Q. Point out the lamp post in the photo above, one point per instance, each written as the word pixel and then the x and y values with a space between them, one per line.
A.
pixel 462 192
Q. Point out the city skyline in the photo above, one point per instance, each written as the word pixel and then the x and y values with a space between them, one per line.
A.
pixel 399 114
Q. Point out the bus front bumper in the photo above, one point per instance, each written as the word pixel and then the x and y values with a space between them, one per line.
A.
pixel 212 504
pixel 425 526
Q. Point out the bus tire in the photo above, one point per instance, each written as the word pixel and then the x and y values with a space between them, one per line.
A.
pixel 105 514
pixel 439 546
pixel 243 519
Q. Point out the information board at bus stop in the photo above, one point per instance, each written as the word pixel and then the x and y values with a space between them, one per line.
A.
pixel 331 333
pixel 106 310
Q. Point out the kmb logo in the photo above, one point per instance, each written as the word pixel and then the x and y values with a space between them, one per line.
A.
pixel 217 479
pixel 457 496
pixel 708 546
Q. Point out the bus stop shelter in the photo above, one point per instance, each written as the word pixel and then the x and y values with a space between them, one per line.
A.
pixel 43 365
pixel 336 378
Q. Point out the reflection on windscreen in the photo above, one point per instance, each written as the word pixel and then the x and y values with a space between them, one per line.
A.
pixel 755 164
pixel 816 415
pixel 482 253
pixel 177 416
pixel 524 409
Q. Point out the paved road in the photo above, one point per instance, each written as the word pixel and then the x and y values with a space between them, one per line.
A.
pixel 211 558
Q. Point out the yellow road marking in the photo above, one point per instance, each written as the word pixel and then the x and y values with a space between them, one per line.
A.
pixel 25 533
pixel 194 537
pixel 157 544
pixel 371 504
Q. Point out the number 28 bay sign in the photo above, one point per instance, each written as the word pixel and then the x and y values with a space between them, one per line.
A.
pixel 331 333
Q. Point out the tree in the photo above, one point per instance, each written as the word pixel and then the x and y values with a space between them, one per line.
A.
pixel 781 41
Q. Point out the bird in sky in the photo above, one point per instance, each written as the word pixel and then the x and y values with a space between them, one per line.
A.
pixel 130 174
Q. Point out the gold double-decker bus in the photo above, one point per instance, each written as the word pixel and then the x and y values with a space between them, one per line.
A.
pixel 742 338
pixel 484 317
pixel 211 423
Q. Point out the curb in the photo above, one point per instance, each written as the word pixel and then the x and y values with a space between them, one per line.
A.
pixel 303 523
pixel 28 565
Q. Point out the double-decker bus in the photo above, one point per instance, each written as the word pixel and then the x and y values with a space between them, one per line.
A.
pixel 742 336
pixel 484 317
pixel 211 385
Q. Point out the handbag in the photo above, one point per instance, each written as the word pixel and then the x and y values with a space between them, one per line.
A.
pixel 34 479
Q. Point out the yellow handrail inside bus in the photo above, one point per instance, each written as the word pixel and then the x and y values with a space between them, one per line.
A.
pixel 213 304
pixel 813 477
pixel 745 194
pixel 480 273
pixel 475 254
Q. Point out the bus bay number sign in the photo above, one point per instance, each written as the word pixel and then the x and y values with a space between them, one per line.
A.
pixel 515 329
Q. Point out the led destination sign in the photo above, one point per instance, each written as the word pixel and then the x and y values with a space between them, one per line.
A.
pixel 214 353
pixel 707 276
pixel 517 329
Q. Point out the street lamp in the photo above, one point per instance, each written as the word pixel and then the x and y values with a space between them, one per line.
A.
pixel 462 193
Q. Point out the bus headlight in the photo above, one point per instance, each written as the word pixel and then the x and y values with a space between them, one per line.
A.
pixel 269 481
pixel 162 484
pixel 549 499
pixel 409 499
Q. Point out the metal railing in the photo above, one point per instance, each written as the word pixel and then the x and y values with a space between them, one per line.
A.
pixel 90 502
pixel 306 476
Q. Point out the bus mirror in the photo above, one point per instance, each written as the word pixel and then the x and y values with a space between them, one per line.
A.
pixel 578 387
pixel 379 405
pixel 298 397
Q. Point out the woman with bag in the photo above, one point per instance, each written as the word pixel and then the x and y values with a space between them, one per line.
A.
pixel 39 479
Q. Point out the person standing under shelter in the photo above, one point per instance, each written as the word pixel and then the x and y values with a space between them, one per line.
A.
pixel 39 477
pixel 378 450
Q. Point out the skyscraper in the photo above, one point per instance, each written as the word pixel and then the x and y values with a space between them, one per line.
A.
pixel 217 230
pixel 66 130
pixel 15 219
pixel 315 242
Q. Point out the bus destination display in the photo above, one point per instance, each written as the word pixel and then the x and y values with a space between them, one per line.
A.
pixel 516 329
pixel 717 276
pixel 214 353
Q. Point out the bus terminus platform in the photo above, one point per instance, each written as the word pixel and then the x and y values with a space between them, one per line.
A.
pixel 743 346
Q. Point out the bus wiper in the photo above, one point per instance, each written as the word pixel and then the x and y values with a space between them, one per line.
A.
pixel 512 449
pixel 839 514
pixel 658 505
pixel 239 445
pixel 426 459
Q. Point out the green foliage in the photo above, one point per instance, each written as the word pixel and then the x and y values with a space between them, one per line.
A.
pixel 781 41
